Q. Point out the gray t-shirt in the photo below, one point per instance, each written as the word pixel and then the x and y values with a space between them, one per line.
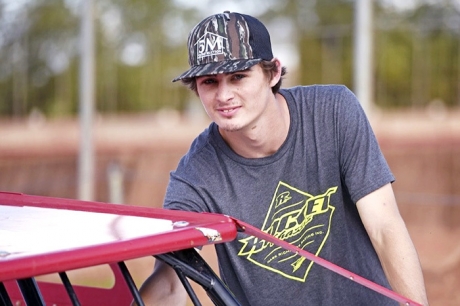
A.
pixel 305 194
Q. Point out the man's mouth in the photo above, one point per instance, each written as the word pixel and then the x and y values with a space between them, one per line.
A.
pixel 229 111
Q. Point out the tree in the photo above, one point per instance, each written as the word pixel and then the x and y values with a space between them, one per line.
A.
pixel 140 47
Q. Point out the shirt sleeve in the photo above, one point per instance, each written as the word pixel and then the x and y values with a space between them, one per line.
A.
pixel 363 166
pixel 182 195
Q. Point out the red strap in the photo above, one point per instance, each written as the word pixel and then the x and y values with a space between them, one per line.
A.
pixel 251 230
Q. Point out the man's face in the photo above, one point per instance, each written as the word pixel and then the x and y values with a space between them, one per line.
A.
pixel 235 101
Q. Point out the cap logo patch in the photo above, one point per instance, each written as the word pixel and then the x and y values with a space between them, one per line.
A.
pixel 210 44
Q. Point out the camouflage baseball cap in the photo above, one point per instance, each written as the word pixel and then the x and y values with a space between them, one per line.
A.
pixel 226 42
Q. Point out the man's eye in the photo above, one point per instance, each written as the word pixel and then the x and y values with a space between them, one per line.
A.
pixel 238 76
pixel 209 81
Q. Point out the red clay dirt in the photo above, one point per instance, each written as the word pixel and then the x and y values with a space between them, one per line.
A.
pixel 423 149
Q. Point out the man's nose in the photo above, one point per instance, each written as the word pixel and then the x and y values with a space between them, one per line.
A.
pixel 224 91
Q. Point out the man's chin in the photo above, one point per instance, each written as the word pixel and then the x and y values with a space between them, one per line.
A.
pixel 229 128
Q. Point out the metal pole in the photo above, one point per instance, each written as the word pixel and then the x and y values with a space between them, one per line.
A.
pixel 363 68
pixel 86 153
pixel 115 179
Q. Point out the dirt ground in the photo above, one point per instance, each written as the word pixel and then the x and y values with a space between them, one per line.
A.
pixel 423 149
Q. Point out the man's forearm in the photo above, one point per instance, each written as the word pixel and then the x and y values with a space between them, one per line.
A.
pixel 401 264
pixel 391 240
pixel 163 288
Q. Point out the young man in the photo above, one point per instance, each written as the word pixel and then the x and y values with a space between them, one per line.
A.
pixel 301 164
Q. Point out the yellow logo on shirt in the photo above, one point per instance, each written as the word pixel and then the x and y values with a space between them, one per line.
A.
pixel 299 218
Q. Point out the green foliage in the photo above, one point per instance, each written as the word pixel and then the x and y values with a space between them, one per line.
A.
pixel 140 47
pixel 417 57
pixel 393 68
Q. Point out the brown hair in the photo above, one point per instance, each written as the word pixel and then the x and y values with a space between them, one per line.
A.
pixel 269 69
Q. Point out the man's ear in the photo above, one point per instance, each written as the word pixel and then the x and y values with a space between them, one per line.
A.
pixel 276 76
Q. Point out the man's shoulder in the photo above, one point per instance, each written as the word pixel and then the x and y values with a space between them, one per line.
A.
pixel 201 141
pixel 201 150
pixel 311 96
pixel 317 89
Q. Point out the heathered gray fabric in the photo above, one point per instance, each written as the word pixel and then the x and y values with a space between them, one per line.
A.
pixel 305 194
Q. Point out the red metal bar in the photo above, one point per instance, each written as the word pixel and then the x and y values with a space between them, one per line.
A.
pixel 186 230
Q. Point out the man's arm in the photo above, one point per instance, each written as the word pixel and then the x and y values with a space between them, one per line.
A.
pixel 390 238
pixel 163 287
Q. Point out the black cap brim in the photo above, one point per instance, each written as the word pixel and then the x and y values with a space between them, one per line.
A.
pixel 218 67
